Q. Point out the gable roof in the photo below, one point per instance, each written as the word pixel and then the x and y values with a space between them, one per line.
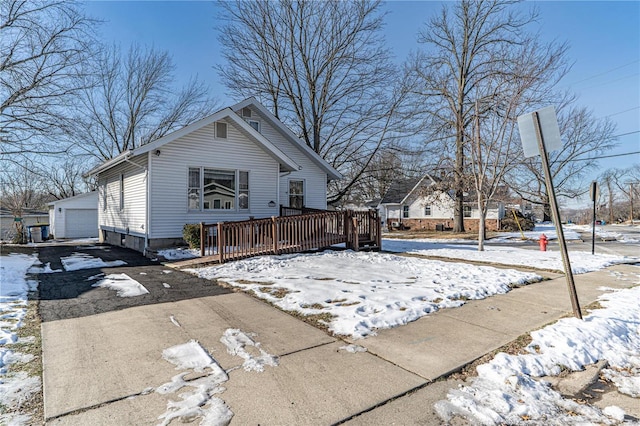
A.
pixel 332 173
pixel 224 114
pixel 400 190
pixel 4 212
pixel 75 197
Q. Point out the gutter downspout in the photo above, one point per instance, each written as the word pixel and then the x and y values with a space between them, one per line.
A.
pixel 147 220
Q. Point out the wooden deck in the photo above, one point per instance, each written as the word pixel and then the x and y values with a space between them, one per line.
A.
pixel 225 241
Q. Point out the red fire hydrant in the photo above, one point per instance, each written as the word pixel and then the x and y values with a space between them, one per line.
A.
pixel 543 242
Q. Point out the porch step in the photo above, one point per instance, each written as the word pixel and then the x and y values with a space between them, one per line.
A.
pixel 192 263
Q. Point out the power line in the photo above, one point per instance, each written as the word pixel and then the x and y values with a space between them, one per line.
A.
pixel 603 73
pixel 605 156
pixel 626 134
pixel 621 112
pixel 609 82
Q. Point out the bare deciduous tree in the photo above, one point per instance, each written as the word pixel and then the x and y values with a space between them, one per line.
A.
pixel 621 189
pixel 322 68
pixel 64 179
pixel 473 47
pixel 43 45
pixel 21 191
pixel 130 100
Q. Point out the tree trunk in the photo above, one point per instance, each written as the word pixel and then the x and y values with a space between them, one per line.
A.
pixel 458 216
pixel 609 189
pixel 481 223
pixel 546 209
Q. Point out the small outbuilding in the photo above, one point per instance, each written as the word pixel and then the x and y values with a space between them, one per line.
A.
pixel 74 217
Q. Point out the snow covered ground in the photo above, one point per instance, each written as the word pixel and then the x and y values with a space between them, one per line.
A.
pixel 618 235
pixel 15 387
pixel 581 262
pixel 356 293
pixel 509 389
pixel 547 229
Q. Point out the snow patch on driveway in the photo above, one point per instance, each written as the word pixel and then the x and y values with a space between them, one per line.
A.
pixel 123 284
pixel 79 261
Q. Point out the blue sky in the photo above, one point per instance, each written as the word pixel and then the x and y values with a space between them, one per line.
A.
pixel 604 39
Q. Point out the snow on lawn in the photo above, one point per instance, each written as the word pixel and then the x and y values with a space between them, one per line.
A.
pixel 122 283
pixel 15 388
pixel 201 402
pixel 581 262
pixel 609 235
pixel 84 261
pixel 355 293
pixel 506 390
pixel 547 229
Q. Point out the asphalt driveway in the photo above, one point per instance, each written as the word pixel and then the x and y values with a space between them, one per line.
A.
pixel 69 294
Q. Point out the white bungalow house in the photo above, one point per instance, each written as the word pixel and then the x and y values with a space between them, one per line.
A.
pixel 237 163
pixel 74 217
pixel 423 204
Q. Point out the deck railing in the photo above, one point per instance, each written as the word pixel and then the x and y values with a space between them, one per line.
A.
pixel 289 234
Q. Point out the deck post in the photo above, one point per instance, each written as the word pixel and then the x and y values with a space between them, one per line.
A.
pixel 378 232
pixel 274 234
pixel 221 242
pixel 346 223
pixel 203 236
pixel 354 228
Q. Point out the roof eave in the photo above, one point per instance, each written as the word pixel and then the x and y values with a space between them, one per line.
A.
pixel 332 173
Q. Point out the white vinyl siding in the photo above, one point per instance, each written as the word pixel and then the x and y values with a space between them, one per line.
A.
pixel 131 218
pixel 169 208
pixel 315 178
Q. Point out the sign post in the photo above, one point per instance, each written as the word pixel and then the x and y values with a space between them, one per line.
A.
pixel 541 127
pixel 594 191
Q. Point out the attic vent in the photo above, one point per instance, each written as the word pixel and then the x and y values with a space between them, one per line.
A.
pixel 221 130
pixel 246 112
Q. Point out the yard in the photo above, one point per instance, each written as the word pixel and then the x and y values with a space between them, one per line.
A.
pixel 354 295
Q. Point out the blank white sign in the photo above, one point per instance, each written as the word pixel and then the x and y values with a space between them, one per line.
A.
pixel 549 127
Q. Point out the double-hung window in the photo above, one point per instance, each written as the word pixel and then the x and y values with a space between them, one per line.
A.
pixel 466 211
pixel 427 210
pixel 405 211
pixel 296 194
pixel 216 189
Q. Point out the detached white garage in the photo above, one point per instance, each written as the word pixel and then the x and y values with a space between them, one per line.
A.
pixel 74 217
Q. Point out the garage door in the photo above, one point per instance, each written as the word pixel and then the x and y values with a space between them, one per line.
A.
pixel 81 223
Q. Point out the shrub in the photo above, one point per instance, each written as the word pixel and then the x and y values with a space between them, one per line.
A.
pixel 191 235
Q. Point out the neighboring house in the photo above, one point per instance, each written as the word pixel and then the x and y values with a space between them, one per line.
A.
pixel 419 204
pixel 29 217
pixel 74 217
pixel 237 163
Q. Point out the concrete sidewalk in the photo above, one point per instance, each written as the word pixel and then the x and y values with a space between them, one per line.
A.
pixel 101 369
